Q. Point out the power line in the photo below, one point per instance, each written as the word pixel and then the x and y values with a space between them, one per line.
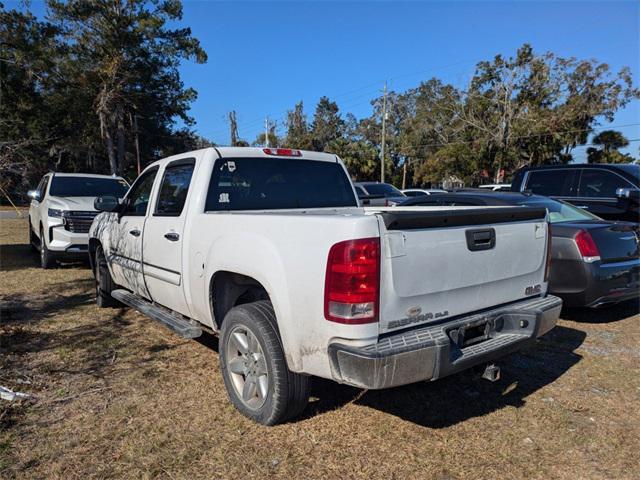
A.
pixel 420 146
pixel 258 121
pixel 256 124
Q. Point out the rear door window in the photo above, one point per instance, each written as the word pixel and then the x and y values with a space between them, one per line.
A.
pixel 277 183
pixel 555 182
pixel 600 184
pixel 174 188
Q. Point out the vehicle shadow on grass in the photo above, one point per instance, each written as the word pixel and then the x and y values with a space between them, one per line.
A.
pixel 91 345
pixel 208 340
pixel 16 256
pixel 32 307
pixel 610 314
pixel 457 398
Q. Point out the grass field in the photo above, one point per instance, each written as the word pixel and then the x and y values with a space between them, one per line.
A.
pixel 117 396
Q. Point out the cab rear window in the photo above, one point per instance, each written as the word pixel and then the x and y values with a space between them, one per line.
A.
pixel 275 183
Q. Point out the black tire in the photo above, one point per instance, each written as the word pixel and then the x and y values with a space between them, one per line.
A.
pixel 104 282
pixel 287 392
pixel 33 240
pixel 47 260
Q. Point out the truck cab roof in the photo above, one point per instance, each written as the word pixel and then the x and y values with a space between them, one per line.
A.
pixel 253 152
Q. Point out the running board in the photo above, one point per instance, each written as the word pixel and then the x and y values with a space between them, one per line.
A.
pixel 169 319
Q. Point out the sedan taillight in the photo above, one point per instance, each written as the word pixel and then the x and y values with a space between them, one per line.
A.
pixel 587 247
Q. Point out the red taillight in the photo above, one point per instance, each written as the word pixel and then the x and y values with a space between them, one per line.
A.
pixel 352 282
pixel 282 152
pixel 587 247
pixel 547 266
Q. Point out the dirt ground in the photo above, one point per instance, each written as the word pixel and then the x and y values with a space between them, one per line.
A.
pixel 117 396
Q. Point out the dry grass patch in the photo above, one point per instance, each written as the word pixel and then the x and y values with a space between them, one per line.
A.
pixel 118 396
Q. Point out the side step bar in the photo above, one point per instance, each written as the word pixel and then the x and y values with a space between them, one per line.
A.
pixel 169 319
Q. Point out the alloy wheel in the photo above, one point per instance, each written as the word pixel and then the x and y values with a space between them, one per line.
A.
pixel 248 368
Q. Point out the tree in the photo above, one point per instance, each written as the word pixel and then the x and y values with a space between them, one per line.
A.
pixel 610 141
pixel 298 135
pixel 327 125
pixel 124 56
pixel 236 141
pixel 360 157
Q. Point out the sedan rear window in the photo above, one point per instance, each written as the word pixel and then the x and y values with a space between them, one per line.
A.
pixel 384 189
pixel 276 183
pixel 87 187
pixel 560 211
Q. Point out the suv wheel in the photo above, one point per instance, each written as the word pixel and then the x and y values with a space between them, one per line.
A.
pixel 33 240
pixel 104 282
pixel 46 257
pixel 254 369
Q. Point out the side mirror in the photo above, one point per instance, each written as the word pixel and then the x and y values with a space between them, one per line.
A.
pixel 106 204
pixel 628 193
pixel 33 195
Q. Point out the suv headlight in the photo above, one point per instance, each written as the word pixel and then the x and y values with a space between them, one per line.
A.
pixel 54 212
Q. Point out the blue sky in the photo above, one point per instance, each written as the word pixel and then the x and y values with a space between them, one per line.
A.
pixel 266 56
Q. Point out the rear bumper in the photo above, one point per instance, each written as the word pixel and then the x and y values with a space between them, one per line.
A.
pixel 597 284
pixel 430 352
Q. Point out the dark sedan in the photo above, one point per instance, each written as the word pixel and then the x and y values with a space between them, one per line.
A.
pixel 595 262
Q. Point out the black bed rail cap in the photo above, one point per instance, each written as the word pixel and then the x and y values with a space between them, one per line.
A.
pixel 404 220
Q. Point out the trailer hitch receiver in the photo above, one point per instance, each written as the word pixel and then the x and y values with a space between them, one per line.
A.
pixel 491 373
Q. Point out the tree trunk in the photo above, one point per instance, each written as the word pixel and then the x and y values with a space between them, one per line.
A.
pixel 108 140
pixel 120 137
pixel 404 174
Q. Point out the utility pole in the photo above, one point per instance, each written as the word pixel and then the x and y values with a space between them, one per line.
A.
pixel 404 173
pixel 233 124
pixel 384 140
pixel 266 132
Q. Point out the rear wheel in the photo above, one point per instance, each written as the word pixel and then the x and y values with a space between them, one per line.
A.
pixel 254 369
pixel 104 283
pixel 47 259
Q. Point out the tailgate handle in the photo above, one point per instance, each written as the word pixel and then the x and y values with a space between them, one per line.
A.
pixel 481 239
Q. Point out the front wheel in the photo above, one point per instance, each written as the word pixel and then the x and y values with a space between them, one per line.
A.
pixel 254 369
pixel 33 240
pixel 104 283
pixel 47 259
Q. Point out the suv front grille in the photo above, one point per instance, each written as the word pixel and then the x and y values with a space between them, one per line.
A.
pixel 78 222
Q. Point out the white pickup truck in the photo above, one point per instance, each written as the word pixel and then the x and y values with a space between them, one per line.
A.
pixel 269 248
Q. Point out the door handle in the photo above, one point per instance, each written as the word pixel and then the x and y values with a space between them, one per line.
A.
pixel 172 236
pixel 480 239
pixel 135 233
pixel 584 207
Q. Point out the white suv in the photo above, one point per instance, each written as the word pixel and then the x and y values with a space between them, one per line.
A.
pixel 61 212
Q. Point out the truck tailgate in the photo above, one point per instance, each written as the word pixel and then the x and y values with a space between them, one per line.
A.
pixel 442 263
